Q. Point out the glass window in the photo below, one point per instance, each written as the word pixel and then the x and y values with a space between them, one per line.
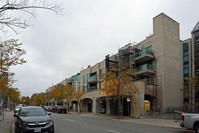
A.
pixel 84 79
pixel 186 70
pixel 185 47
pixel 186 63
pixel 101 70
pixel 27 112
pixel 185 58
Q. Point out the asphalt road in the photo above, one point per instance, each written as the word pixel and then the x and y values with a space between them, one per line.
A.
pixel 66 123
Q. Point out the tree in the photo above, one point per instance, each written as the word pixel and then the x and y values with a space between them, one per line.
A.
pixel 7 7
pixel 11 54
pixel 189 85
pixel 25 100
pixel 118 82
pixel 38 99
pixel 69 91
pixel 58 94
pixel 78 95
pixel 13 94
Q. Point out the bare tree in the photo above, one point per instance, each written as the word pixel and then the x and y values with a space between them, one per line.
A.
pixel 7 21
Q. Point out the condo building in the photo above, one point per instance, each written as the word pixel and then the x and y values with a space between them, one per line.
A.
pixel 161 61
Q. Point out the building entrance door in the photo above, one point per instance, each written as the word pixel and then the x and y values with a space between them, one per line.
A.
pixel 89 107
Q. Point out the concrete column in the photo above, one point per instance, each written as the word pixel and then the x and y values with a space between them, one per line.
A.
pixel 94 106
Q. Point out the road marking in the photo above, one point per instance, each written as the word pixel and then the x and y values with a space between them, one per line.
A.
pixel 113 131
pixel 70 120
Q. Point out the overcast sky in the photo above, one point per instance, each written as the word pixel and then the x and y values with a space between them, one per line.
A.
pixel 58 47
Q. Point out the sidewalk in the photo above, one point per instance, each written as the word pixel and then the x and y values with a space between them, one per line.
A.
pixel 142 120
pixel 5 126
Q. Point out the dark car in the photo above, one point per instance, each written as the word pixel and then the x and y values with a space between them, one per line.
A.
pixel 32 119
pixel 59 109
pixel 48 108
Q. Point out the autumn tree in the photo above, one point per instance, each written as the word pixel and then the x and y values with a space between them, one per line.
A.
pixel 189 85
pixel 11 54
pixel 69 93
pixel 38 99
pixel 23 7
pixel 58 93
pixel 12 94
pixel 118 82
pixel 78 95
pixel 25 100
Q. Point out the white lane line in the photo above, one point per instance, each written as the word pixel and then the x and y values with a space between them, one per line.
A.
pixel 70 120
pixel 113 131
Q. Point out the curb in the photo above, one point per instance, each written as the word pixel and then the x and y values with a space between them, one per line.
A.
pixel 128 120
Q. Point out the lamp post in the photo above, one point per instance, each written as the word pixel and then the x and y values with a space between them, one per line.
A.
pixel 2 109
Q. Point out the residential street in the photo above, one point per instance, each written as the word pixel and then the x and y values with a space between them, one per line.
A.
pixel 81 124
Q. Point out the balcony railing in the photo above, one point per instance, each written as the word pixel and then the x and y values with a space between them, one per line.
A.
pixel 144 69
pixel 92 79
pixel 143 52
pixel 93 88
pixel 143 56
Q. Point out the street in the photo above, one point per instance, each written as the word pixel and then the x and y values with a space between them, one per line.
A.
pixel 67 123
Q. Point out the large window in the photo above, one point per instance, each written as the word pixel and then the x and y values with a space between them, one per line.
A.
pixel 185 67
pixel 84 80
pixel 186 60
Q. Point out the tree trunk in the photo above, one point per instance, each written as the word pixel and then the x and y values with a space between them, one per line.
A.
pixel 118 110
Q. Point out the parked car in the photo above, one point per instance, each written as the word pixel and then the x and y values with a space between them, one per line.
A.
pixel 16 109
pixel 102 110
pixel 48 108
pixel 190 121
pixel 59 109
pixel 33 119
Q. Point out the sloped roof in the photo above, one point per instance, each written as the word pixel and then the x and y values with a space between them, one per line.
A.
pixel 196 27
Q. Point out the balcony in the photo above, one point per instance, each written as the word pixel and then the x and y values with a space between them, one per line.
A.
pixel 92 88
pixel 144 69
pixel 143 56
pixel 92 79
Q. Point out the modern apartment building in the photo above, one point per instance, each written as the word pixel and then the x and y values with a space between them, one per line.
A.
pixel 195 41
pixel 162 61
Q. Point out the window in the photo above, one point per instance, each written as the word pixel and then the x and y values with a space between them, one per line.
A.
pixel 101 70
pixel 84 79
pixel 185 47
pixel 185 58
pixel 186 70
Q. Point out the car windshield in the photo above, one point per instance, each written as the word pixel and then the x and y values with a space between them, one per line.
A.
pixel 28 112
pixel 60 107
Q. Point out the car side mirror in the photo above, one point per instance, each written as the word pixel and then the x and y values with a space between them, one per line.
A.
pixel 16 115
pixel 49 113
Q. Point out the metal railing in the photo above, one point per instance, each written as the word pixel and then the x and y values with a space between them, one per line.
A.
pixel 144 67
pixel 141 53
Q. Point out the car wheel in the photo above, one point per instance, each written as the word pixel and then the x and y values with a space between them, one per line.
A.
pixel 197 129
